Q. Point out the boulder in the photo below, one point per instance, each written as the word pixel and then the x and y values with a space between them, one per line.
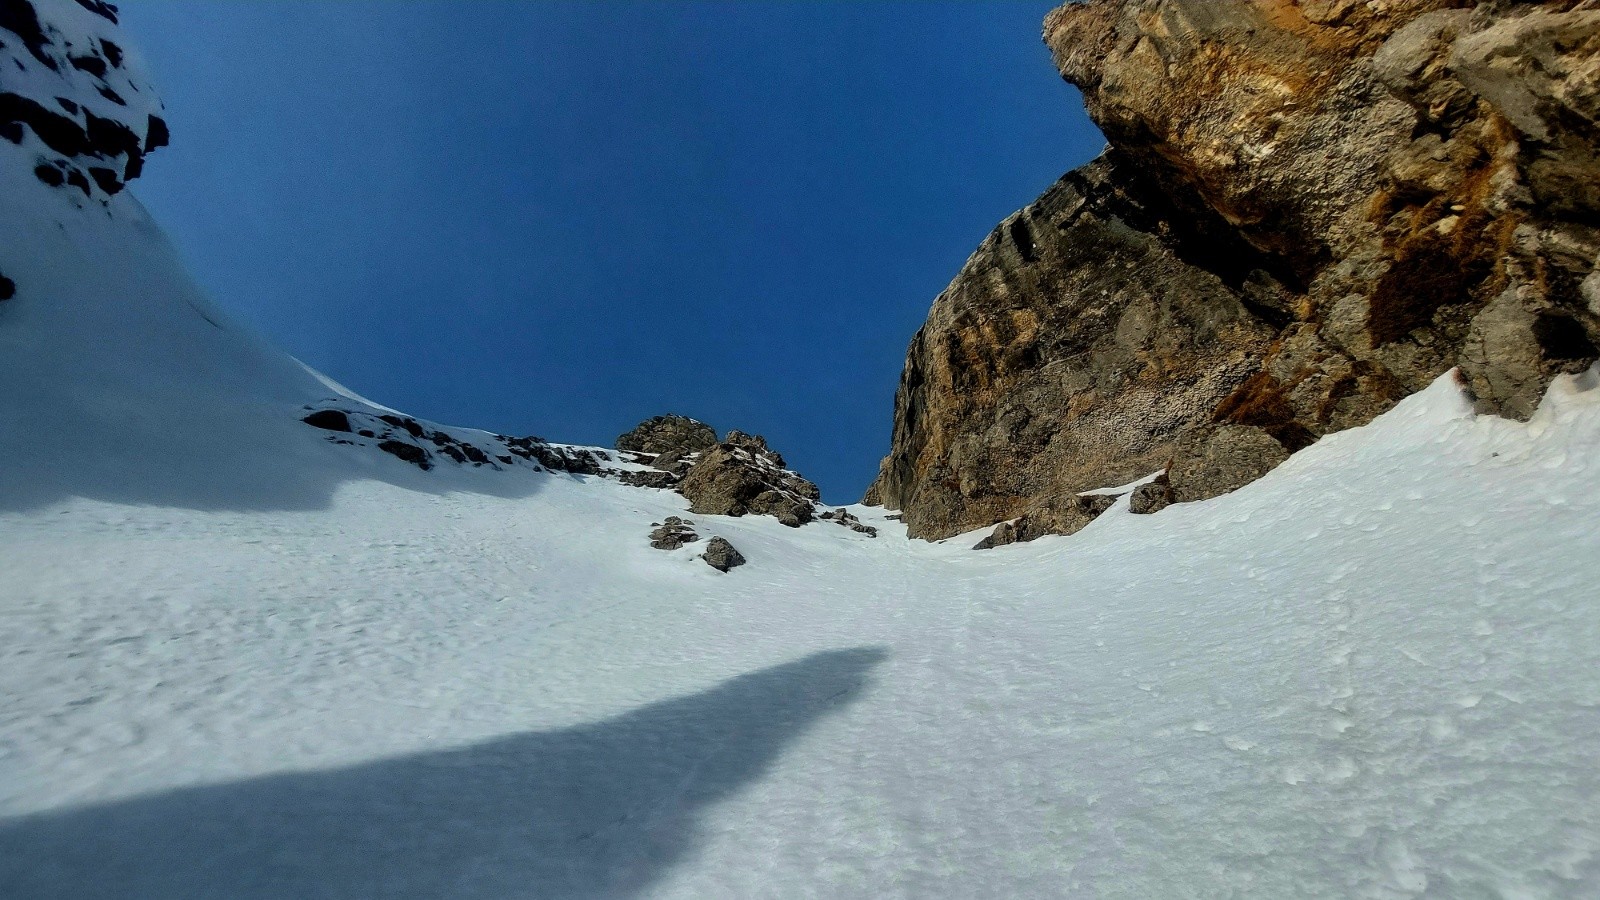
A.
pixel 1217 459
pixel 329 419
pixel 721 555
pixel 1151 497
pixel 410 453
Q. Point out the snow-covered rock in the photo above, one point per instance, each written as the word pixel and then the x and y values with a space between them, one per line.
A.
pixel 76 97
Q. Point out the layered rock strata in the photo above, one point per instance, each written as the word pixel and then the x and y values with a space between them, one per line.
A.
pixel 1307 211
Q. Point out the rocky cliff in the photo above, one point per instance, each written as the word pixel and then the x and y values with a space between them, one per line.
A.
pixel 1307 211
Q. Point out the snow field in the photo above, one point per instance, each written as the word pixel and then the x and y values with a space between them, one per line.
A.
pixel 1369 674
pixel 239 661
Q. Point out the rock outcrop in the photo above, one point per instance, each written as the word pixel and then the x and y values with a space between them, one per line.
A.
pixel 739 475
pixel 742 476
pixel 677 435
pixel 736 476
pixel 1307 211
pixel 423 446
pixel 75 98
pixel 647 478
pixel 1077 342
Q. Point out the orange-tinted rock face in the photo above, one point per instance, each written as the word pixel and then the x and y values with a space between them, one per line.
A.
pixel 1308 211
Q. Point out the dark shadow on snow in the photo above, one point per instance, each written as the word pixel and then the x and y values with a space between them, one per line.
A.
pixel 599 810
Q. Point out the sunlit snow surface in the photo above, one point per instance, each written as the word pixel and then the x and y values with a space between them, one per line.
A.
pixel 1372 673
pixel 238 661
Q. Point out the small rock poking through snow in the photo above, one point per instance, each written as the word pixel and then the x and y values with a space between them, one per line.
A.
pixel 849 520
pixel 1151 497
pixel 722 556
pixel 673 533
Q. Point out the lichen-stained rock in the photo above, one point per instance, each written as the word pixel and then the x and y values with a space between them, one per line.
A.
pixel 1308 210
pixel 1541 70
pixel 1591 291
pixel 1413 161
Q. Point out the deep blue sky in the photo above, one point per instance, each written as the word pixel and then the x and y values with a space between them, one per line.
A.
pixel 559 219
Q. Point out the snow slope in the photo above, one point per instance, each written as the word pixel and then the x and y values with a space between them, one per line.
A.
pixel 110 355
pixel 1370 674
pixel 123 381
pixel 239 661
